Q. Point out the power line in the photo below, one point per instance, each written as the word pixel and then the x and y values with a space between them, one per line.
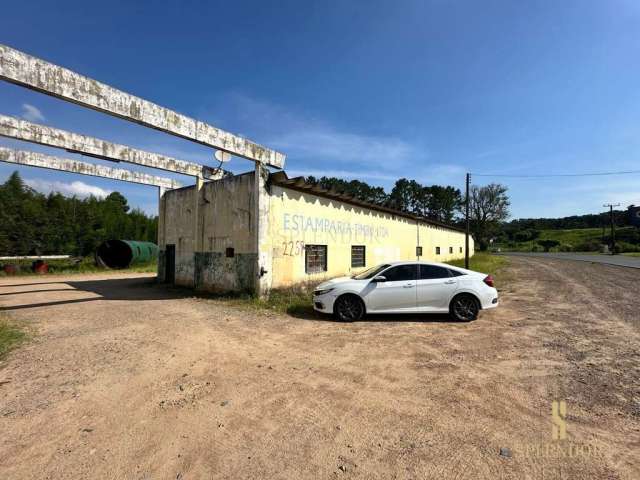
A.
pixel 548 175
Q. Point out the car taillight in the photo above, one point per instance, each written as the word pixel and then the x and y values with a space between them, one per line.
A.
pixel 488 280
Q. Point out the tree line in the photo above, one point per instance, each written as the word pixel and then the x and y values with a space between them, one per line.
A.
pixel 434 201
pixel 489 204
pixel 32 223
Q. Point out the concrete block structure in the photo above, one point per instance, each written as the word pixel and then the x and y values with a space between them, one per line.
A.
pixel 258 231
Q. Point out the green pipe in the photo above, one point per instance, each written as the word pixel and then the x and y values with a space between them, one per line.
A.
pixel 125 253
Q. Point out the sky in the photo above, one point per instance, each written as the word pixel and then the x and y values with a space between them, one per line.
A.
pixel 368 90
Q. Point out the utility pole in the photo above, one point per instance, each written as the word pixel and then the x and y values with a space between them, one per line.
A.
pixel 466 236
pixel 613 226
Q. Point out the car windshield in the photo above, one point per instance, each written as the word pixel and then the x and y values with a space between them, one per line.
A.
pixel 370 273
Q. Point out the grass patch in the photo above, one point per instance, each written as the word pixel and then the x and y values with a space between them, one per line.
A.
pixel 483 262
pixel 10 336
pixel 71 266
pixel 296 301
pixel 632 254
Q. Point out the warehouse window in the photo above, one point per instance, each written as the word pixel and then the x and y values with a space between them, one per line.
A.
pixel 450 249
pixel 358 256
pixel 315 258
pixel 437 250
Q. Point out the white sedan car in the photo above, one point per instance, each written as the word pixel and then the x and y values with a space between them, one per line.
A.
pixel 407 287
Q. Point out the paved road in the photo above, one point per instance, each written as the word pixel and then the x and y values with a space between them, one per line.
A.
pixel 619 260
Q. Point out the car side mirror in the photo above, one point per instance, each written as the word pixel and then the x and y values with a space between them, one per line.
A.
pixel 379 278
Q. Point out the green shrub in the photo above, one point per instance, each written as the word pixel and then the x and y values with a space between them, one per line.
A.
pixel 548 244
pixel 623 247
pixel 588 246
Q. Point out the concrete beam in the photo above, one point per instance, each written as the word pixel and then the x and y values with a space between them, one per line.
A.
pixel 33 159
pixel 73 142
pixel 36 74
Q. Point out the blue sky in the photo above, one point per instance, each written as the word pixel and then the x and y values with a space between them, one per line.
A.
pixel 370 90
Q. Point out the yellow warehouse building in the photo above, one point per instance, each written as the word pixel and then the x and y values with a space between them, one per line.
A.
pixel 259 230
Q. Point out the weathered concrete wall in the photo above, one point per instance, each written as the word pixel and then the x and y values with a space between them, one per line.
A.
pixel 225 220
pixel 299 218
pixel 176 211
pixel 262 205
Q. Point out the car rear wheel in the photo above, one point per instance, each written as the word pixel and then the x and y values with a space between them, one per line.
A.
pixel 348 308
pixel 464 308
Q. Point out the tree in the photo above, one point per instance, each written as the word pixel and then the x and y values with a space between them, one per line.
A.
pixel 356 188
pixel 407 196
pixel 442 203
pixel 488 207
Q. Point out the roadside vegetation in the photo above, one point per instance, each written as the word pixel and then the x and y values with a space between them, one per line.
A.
pixel 570 240
pixel 577 233
pixel 10 336
pixel 484 262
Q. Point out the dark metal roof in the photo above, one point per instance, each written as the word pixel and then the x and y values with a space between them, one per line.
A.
pixel 299 183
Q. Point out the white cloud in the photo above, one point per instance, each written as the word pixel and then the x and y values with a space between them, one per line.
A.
pixel 77 188
pixel 315 147
pixel 305 139
pixel 31 113
pixel 325 143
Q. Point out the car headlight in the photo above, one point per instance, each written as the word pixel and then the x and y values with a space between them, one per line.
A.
pixel 322 292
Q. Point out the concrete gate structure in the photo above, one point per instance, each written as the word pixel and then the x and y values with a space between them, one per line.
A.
pixel 250 232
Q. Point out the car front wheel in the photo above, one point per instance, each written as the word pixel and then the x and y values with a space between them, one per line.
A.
pixel 348 308
pixel 464 308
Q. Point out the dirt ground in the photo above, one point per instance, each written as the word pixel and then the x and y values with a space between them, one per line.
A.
pixel 125 379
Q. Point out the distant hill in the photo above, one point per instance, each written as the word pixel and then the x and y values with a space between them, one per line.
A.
pixel 569 240
pixel 578 233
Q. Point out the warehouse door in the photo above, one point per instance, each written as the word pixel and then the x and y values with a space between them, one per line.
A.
pixel 170 264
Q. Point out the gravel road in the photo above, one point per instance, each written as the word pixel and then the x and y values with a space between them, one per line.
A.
pixel 126 379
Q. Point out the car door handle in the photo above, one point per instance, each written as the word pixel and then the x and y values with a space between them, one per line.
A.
pixel 449 282
pixel 408 286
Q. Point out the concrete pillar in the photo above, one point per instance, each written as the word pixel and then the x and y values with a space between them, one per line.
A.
pixel 264 260
pixel 160 277
pixel 197 234
pixel 161 235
